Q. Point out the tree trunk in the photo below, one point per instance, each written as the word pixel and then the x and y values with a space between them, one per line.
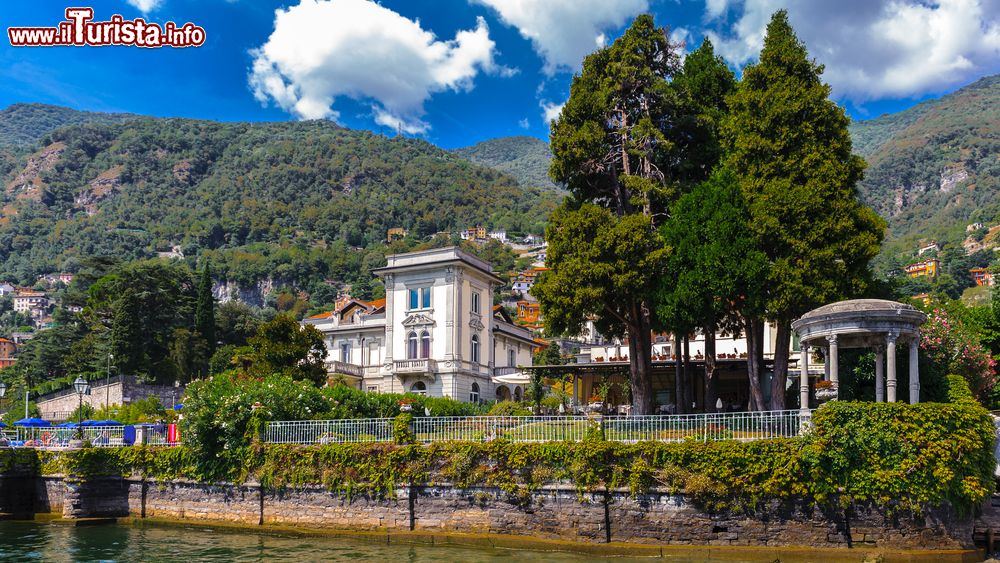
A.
pixel 755 360
pixel 782 340
pixel 710 393
pixel 678 353
pixel 687 375
pixel 640 346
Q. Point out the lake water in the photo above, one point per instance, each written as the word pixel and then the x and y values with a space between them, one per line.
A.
pixel 58 542
pixel 48 541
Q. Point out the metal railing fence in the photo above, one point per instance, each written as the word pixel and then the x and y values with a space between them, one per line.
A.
pixel 329 431
pixel 99 436
pixel 742 426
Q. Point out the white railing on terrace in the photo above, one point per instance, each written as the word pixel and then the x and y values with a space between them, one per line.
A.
pixel 329 431
pixel 99 436
pixel 742 426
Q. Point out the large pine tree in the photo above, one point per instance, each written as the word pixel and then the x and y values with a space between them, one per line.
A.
pixel 790 145
pixel 610 150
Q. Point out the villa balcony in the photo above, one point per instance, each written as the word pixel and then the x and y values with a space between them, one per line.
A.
pixel 506 370
pixel 335 366
pixel 414 367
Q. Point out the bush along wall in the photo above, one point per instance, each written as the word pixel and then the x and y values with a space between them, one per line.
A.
pixel 896 457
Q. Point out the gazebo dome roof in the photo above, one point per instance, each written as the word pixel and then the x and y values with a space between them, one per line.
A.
pixel 856 321
pixel 859 306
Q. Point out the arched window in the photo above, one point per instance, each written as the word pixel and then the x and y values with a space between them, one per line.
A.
pixel 411 345
pixel 425 344
pixel 475 348
pixel 517 393
pixel 420 388
pixel 511 357
pixel 474 395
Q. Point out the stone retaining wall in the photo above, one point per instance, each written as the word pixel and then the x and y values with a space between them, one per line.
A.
pixel 559 513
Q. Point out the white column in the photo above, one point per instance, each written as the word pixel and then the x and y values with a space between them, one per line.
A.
pixel 804 377
pixel 914 370
pixel 890 367
pixel 834 360
pixel 879 374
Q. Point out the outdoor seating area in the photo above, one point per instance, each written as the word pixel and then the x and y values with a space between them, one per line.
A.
pixel 39 433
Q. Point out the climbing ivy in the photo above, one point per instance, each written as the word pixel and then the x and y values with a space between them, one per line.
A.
pixel 893 455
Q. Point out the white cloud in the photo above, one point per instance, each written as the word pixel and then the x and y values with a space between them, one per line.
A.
pixel 563 32
pixel 524 123
pixel 144 6
pixel 550 110
pixel 321 50
pixel 878 49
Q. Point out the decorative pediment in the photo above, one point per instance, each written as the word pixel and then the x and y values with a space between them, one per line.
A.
pixel 476 323
pixel 418 319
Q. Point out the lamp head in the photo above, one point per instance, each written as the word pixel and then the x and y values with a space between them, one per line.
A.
pixel 81 385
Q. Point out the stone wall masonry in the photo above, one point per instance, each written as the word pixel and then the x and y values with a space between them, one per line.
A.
pixel 553 513
pixel 59 405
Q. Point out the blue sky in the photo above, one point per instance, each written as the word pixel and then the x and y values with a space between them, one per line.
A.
pixel 460 71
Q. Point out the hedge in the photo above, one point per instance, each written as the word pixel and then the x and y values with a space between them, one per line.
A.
pixel 893 455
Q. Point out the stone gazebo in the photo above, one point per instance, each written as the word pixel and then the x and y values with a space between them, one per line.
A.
pixel 862 323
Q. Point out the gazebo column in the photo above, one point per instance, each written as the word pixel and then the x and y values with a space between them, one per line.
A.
pixel 890 367
pixel 833 358
pixel 914 369
pixel 879 374
pixel 804 376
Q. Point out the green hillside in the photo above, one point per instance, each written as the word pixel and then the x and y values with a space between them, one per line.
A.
pixel 525 158
pixel 24 124
pixel 294 201
pixel 934 168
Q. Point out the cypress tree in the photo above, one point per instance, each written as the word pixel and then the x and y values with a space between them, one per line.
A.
pixel 790 145
pixel 204 316
pixel 126 333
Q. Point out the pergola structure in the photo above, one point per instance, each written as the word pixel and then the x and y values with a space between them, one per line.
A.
pixel 862 323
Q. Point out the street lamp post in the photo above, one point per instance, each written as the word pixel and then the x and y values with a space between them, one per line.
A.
pixel 3 391
pixel 82 387
pixel 107 383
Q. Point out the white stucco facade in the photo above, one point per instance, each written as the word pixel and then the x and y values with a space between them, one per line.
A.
pixel 436 332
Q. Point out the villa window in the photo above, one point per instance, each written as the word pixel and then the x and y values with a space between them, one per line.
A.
pixel 475 348
pixel 420 388
pixel 474 395
pixel 345 352
pixel 420 298
pixel 425 344
pixel 475 303
pixel 411 346
pixel 511 358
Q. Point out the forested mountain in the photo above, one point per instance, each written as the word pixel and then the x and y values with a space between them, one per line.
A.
pixel 934 169
pixel 293 202
pixel 24 124
pixel 525 158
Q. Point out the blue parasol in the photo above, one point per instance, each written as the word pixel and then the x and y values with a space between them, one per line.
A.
pixel 33 422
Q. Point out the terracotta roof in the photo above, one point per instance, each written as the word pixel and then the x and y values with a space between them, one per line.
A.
pixel 323 315
pixel 378 303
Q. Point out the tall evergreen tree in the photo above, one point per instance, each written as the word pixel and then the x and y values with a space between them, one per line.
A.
pixel 204 315
pixel 610 150
pixel 790 145
pixel 716 269
pixel 126 333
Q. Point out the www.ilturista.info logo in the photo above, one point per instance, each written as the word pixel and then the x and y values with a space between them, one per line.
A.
pixel 80 30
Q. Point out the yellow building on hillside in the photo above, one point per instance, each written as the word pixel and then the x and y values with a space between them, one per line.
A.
pixel 928 268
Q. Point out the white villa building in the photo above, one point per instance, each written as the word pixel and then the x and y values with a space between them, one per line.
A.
pixel 435 333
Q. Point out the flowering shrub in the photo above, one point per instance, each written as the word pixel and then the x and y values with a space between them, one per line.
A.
pixel 953 348
pixel 218 412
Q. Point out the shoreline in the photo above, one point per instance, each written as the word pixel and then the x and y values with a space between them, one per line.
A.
pixel 530 543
